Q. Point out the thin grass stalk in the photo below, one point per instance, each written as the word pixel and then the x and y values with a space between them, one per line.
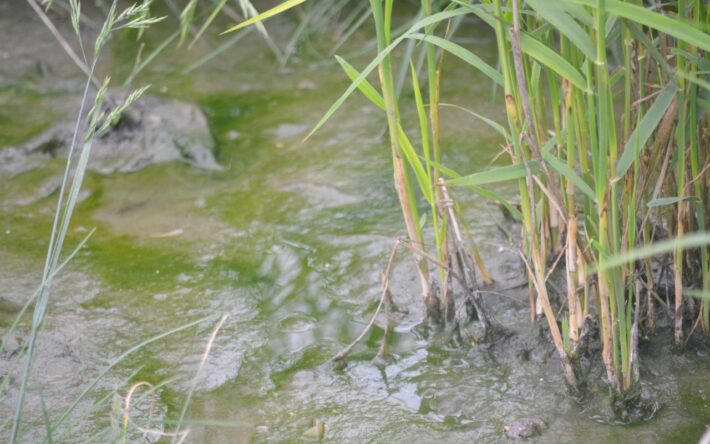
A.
pixel 196 379
pixel 97 122
pixel 525 185
pixel 700 203
pixel 573 303
pixel 402 183
pixel 62 216
pixel 680 176
pixel 606 286
pixel 531 138
pixel 434 90
pixel 643 65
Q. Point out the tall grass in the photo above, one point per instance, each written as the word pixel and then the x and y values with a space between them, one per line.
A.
pixel 96 116
pixel 605 126
pixel 605 105
pixel 97 121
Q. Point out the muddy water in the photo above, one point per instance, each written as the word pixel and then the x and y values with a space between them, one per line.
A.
pixel 289 241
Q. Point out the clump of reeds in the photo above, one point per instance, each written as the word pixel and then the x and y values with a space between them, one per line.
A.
pixel 606 126
pixel 417 170
pixel 594 144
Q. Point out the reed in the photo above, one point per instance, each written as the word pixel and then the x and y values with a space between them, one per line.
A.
pixel 590 195
pixel 605 124
pixel 605 133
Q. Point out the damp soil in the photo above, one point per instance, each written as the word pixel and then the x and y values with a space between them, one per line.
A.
pixel 289 239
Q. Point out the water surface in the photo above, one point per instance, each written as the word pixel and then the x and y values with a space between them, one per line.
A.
pixel 289 241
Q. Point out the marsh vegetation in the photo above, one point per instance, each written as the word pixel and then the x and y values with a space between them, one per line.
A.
pixel 435 220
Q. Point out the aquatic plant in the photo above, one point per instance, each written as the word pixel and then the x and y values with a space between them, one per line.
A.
pixel 600 134
pixel 604 101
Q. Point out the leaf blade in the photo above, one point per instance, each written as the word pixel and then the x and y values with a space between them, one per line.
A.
pixel 462 53
pixel 642 132
pixel 265 15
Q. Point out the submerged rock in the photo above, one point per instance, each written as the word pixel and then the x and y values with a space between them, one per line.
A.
pixel 11 344
pixel 316 432
pixel 153 130
pixel 524 428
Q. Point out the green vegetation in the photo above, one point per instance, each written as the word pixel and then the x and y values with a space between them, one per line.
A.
pixel 605 137
pixel 593 144
pixel 89 125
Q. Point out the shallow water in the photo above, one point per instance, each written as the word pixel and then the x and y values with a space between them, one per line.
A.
pixel 289 241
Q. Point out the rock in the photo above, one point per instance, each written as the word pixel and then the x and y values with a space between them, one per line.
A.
pixel 11 343
pixel 288 130
pixel 524 428
pixel 307 84
pixel 153 130
pixel 32 194
pixel 316 432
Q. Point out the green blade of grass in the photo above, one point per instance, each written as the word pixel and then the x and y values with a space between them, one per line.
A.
pixel 462 53
pixel 432 19
pixel 492 123
pixel 642 132
pixel 570 174
pixel 217 51
pixel 198 373
pixel 667 246
pixel 217 8
pixel 423 178
pixel 699 294
pixel 423 122
pixel 663 201
pixel 639 35
pixel 500 174
pixel 488 194
pixel 118 360
pixel 51 276
pixel 540 52
pixel 564 169
pixel 420 173
pixel 578 12
pixel 677 28
pixel 551 12
pixel 365 87
pixel 186 17
pixel 265 15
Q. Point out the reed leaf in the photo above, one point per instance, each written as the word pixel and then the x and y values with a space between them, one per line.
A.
pixel 548 57
pixel 462 53
pixel 420 173
pixel 569 174
pixel 423 122
pixel 677 28
pixel 496 175
pixel 663 201
pixel 553 13
pixel 365 87
pixel 490 122
pixel 381 55
pixel 645 128
pixel 691 240
pixel 285 6
pixel 699 294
